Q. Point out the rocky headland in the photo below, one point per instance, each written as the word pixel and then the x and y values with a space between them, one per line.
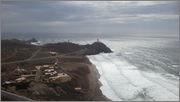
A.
pixel 51 72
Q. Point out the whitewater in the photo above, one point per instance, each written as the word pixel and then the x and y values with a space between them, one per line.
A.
pixel 139 69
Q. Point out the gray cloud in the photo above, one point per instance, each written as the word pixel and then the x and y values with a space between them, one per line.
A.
pixel 90 17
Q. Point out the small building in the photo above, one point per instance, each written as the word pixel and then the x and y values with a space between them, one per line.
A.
pixel 56 64
pixel 49 70
pixel 8 82
pixel 51 67
pixel 28 76
pixel 19 70
pixel 97 39
pixel 46 66
pixel 38 67
pixel 77 88
pixel 53 53
pixel 60 78
pixel 18 80
pixel 53 73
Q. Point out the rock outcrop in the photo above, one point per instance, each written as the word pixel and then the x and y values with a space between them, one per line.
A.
pixel 32 40
pixel 96 48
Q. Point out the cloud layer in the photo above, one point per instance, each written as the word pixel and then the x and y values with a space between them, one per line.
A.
pixel 107 17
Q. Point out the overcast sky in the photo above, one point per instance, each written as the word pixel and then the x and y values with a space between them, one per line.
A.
pixel 110 17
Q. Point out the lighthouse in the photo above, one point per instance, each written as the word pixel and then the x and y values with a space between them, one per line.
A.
pixel 97 39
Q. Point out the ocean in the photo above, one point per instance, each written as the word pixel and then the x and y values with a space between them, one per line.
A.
pixel 139 69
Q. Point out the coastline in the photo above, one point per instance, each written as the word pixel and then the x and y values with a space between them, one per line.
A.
pixel 82 73
pixel 95 84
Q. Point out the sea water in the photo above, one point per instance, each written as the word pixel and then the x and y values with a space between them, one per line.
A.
pixel 139 69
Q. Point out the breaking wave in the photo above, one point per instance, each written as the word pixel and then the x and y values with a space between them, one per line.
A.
pixel 138 71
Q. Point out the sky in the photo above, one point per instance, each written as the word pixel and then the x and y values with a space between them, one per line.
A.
pixel 91 17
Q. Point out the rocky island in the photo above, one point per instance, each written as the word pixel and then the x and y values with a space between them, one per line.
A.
pixel 51 72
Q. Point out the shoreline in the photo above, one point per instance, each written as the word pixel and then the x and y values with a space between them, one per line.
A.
pixel 24 78
pixel 95 84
